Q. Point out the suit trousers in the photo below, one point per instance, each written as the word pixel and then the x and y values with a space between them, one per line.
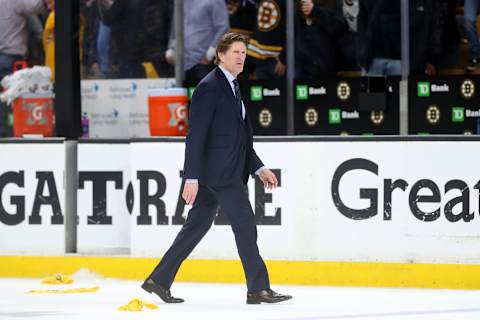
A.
pixel 234 202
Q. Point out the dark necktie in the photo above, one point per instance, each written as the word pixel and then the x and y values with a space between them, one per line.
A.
pixel 238 95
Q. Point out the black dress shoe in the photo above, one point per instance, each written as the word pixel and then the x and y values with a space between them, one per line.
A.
pixel 267 296
pixel 150 286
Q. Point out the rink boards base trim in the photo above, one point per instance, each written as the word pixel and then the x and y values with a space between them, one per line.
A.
pixel 451 276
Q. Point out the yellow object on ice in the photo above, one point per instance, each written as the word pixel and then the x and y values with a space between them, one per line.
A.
pixel 78 290
pixel 58 279
pixel 137 305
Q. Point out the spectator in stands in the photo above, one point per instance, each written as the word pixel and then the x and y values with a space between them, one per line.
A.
pixel 157 20
pixel 204 23
pixel 379 37
pixel 13 40
pixel 139 33
pixel 347 56
pixel 316 30
pixel 89 30
pixel 450 36
pixel 470 11
pixel 426 23
pixel 267 44
pixel 434 36
pixel 13 30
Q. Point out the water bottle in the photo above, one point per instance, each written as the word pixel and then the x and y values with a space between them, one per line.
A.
pixel 85 125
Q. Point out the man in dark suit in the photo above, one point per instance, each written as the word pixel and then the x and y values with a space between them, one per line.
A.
pixel 219 157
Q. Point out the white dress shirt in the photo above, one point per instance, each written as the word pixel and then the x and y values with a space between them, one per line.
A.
pixel 230 79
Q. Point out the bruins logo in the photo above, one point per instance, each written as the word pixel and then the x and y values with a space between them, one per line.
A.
pixel 311 117
pixel 343 91
pixel 377 117
pixel 265 118
pixel 467 88
pixel 433 114
pixel 268 16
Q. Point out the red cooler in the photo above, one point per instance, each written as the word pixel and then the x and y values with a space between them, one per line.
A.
pixel 167 110
pixel 33 114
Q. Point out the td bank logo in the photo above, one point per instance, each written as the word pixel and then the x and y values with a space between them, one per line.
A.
pixel 302 92
pixel 256 93
pixel 458 114
pixel 334 116
pixel 423 89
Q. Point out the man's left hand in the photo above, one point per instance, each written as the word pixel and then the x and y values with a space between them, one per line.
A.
pixel 268 178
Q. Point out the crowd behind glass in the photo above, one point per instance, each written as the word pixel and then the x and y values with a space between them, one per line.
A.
pixel 135 38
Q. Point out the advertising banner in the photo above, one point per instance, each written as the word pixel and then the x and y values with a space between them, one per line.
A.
pixel 118 108
pixel 102 198
pixel 32 198
pixel 348 106
pixel 444 105
pixel 405 201
pixel 337 201
pixel 267 107
pixel 412 201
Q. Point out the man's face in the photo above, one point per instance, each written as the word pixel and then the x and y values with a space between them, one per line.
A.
pixel 234 58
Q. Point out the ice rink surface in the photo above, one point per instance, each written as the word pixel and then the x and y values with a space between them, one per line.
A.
pixel 227 302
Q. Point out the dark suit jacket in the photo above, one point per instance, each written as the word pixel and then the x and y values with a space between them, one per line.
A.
pixel 219 145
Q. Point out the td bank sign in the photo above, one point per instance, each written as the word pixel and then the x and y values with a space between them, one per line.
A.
pixel 424 89
pixel 257 93
pixel 460 113
pixel 335 116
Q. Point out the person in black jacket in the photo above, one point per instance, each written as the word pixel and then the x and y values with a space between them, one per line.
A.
pixel 219 157
pixel 434 36
pixel 380 37
pixel 450 35
pixel 316 31
pixel 425 36
pixel 140 31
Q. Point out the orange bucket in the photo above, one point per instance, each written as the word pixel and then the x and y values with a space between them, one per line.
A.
pixel 33 114
pixel 167 111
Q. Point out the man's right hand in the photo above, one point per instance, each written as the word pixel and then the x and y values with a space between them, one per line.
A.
pixel 190 191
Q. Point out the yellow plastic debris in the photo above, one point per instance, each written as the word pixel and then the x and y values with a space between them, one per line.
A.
pixel 137 305
pixel 77 290
pixel 58 279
